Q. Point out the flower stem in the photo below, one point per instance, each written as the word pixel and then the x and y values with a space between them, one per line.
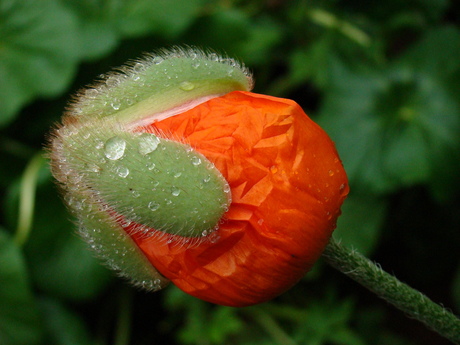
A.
pixel 412 302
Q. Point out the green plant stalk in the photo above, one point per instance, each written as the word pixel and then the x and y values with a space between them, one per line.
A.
pixel 329 20
pixel 410 301
pixel 27 198
pixel 272 328
pixel 123 328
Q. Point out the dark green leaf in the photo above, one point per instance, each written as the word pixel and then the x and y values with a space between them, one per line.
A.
pixel 224 322
pixel 361 221
pixel 97 21
pixel 395 127
pixel 19 316
pixel 232 24
pixel 59 259
pixel 456 289
pixel 167 18
pixel 63 326
pixel 39 52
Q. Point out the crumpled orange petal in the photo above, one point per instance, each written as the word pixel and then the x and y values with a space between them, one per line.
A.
pixel 287 185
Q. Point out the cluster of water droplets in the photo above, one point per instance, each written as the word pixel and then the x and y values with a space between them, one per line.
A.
pixel 142 178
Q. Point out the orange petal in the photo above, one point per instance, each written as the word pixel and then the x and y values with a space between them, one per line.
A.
pixel 287 188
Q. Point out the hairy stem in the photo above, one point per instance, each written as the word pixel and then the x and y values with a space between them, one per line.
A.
pixel 410 301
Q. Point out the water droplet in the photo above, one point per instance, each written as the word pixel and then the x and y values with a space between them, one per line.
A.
pixel 151 166
pixel 177 174
pixel 99 144
pixel 331 173
pixel 207 179
pixel 214 237
pixel 115 148
pixel 227 188
pixel 153 206
pixel 196 160
pixel 147 144
pixel 91 93
pixel 186 86
pixel 122 171
pixel 115 105
pixel 175 191
pixel 157 60
pixel 135 193
pixel 195 64
pixel 204 233
pixel 112 81
pixel 138 67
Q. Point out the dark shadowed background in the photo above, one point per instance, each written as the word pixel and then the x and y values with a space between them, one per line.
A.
pixel 381 77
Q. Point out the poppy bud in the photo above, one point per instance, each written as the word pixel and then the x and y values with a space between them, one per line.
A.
pixel 176 172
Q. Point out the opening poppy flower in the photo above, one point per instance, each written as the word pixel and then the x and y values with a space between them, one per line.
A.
pixel 245 197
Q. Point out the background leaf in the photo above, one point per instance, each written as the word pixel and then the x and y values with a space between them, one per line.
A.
pixel 19 316
pixel 39 54
pixel 361 222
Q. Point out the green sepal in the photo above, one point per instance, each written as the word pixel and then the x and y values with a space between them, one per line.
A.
pixel 156 183
pixel 160 83
pixel 111 243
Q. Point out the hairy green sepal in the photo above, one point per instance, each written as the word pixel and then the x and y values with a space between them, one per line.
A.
pixel 159 83
pixel 157 183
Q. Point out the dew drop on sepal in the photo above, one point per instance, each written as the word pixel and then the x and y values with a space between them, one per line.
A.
pixel 91 93
pixel 115 105
pixel 175 191
pixel 186 86
pixel 196 160
pixel 153 206
pixel 122 171
pixel 148 143
pixel 115 148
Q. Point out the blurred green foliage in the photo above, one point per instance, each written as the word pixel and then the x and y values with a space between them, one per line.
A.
pixel 381 77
